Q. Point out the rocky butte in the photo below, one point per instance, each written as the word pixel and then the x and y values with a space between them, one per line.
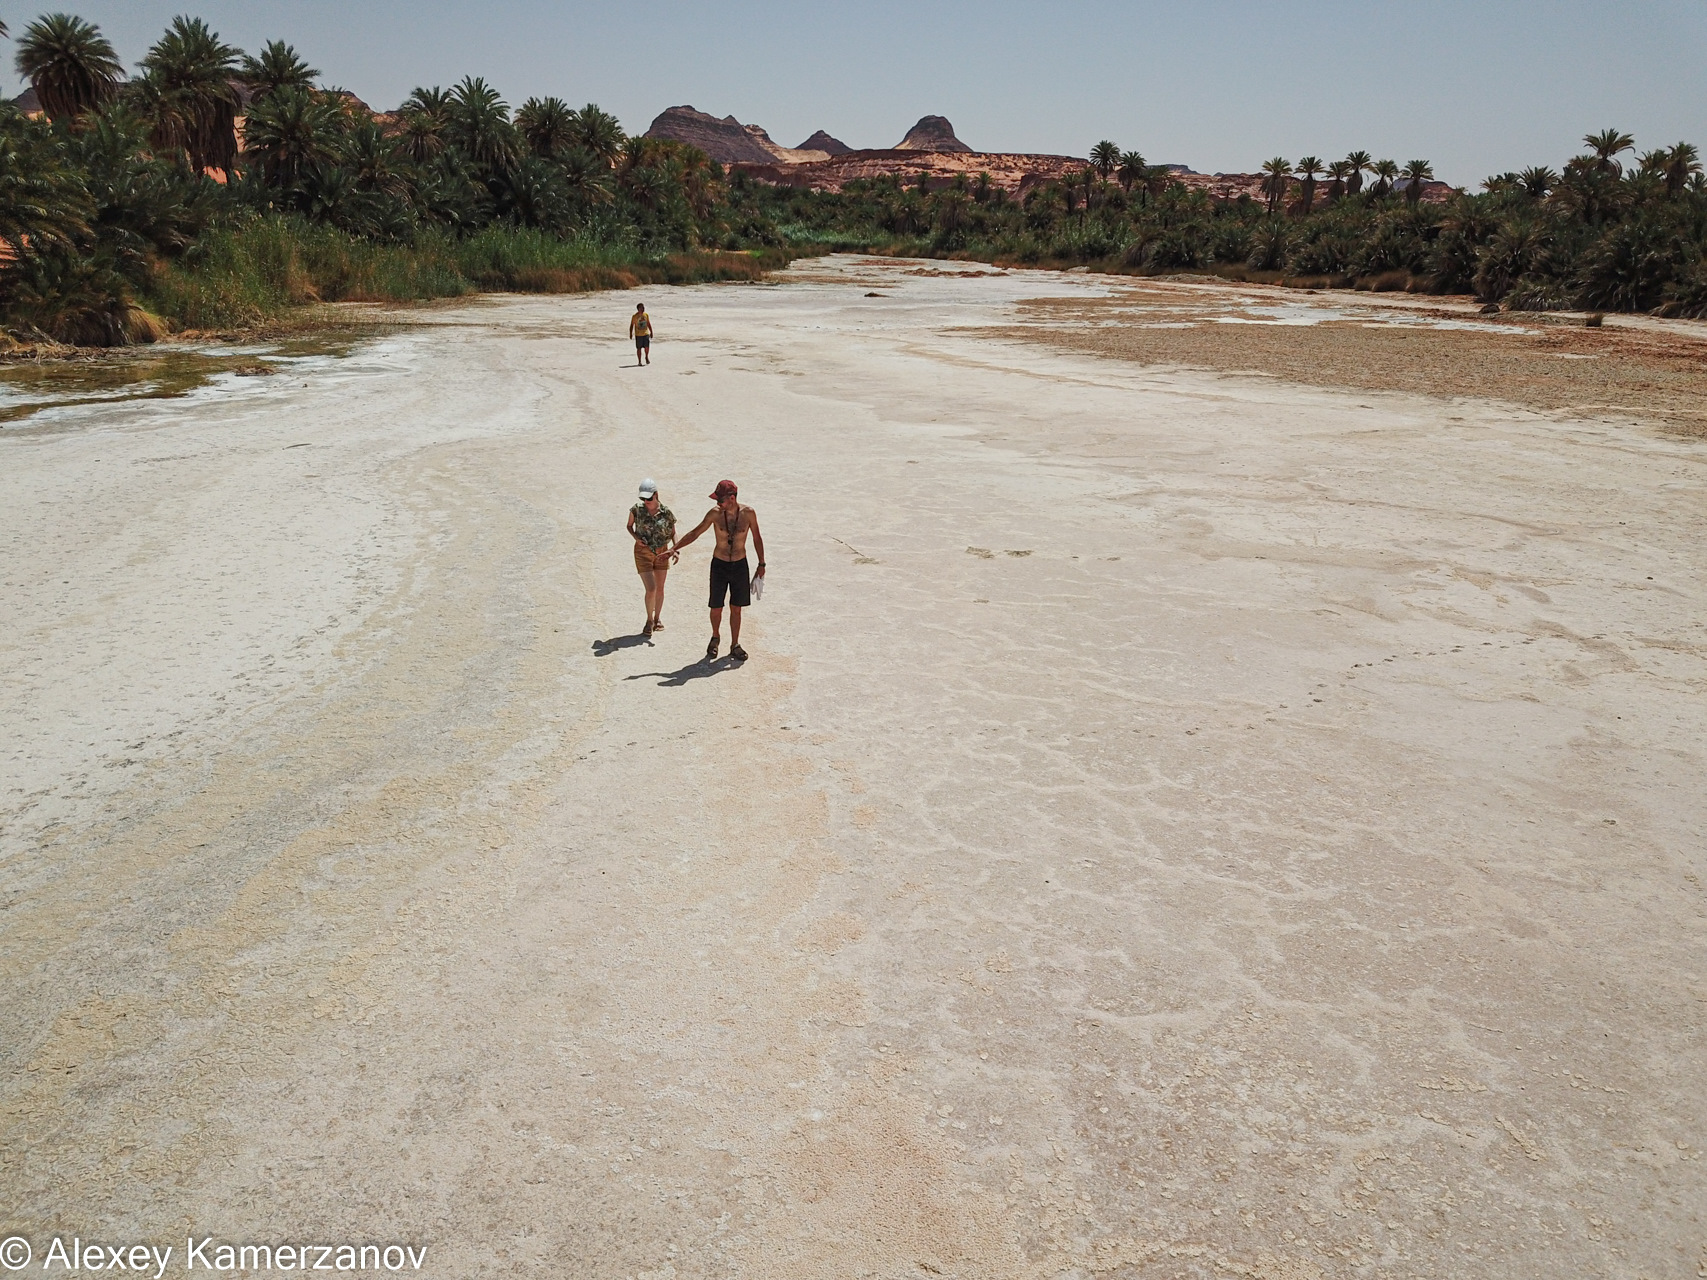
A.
pixel 822 141
pixel 932 133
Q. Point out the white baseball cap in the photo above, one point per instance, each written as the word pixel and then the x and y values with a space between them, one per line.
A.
pixel 648 488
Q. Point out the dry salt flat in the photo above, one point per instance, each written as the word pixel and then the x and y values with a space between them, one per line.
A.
pixel 1172 823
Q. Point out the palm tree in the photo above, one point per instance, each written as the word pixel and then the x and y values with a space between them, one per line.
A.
pixel 701 186
pixel 1385 172
pixel 1360 164
pixel 586 177
pixel 480 125
pixel 191 71
pixel 1279 171
pixel 598 132
pixel 637 152
pixel 531 195
pixel 1070 196
pixel 1606 144
pixel 1652 164
pixel 42 203
pixel 370 157
pixel 1536 181
pixel 1590 189
pixel 547 125
pixel 1416 173
pixel 426 121
pixel 1308 168
pixel 165 121
pixel 1338 172
pixel 70 64
pixel 290 132
pixel 1132 169
pixel 277 68
pixel 1516 249
pixel 434 102
pixel 1105 158
pixel 1682 162
pixel 645 185
pixel 951 209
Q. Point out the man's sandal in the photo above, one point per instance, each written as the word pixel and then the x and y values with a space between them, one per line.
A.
pixel 737 653
pixel 711 649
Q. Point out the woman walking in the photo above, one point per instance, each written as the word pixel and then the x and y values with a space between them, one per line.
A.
pixel 652 525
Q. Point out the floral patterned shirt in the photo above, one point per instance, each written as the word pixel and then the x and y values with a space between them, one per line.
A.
pixel 654 530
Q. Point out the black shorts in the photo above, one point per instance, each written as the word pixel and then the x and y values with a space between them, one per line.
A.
pixel 642 343
pixel 731 576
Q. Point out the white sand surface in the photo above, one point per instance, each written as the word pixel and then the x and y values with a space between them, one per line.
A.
pixel 1170 825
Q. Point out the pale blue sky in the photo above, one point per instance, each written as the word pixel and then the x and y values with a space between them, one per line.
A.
pixel 1476 87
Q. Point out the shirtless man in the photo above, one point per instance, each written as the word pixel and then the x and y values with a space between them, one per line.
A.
pixel 733 523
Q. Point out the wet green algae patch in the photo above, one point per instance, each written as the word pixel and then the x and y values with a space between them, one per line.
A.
pixel 37 378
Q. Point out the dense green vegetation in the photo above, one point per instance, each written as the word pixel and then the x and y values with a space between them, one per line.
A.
pixel 133 205
pixel 1600 234
pixel 136 204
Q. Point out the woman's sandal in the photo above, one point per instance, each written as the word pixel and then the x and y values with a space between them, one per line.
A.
pixel 647 629
pixel 658 625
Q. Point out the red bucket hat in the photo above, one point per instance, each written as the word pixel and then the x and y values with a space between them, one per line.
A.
pixel 725 489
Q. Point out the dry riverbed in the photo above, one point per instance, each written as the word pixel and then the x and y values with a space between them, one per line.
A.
pixel 1216 793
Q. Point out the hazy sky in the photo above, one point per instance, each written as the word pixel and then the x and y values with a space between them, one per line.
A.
pixel 1476 86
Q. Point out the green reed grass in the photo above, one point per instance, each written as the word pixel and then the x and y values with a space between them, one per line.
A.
pixel 241 277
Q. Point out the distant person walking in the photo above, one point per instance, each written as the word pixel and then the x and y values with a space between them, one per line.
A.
pixel 640 329
pixel 652 525
pixel 729 570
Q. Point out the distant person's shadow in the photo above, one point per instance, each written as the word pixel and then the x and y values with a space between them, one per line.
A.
pixel 699 669
pixel 604 648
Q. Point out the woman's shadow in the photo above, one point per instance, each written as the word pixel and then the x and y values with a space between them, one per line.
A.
pixel 604 648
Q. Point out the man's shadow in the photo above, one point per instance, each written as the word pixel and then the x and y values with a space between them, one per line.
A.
pixel 604 648
pixel 697 670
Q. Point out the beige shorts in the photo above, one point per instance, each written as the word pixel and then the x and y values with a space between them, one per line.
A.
pixel 646 560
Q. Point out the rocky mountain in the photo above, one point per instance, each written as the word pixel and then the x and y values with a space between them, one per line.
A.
pixel 727 141
pixel 822 141
pixel 932 133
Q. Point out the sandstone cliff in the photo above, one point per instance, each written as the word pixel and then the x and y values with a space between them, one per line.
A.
pixel 1014 173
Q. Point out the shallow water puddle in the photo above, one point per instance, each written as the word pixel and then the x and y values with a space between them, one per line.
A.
pixel 153 373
